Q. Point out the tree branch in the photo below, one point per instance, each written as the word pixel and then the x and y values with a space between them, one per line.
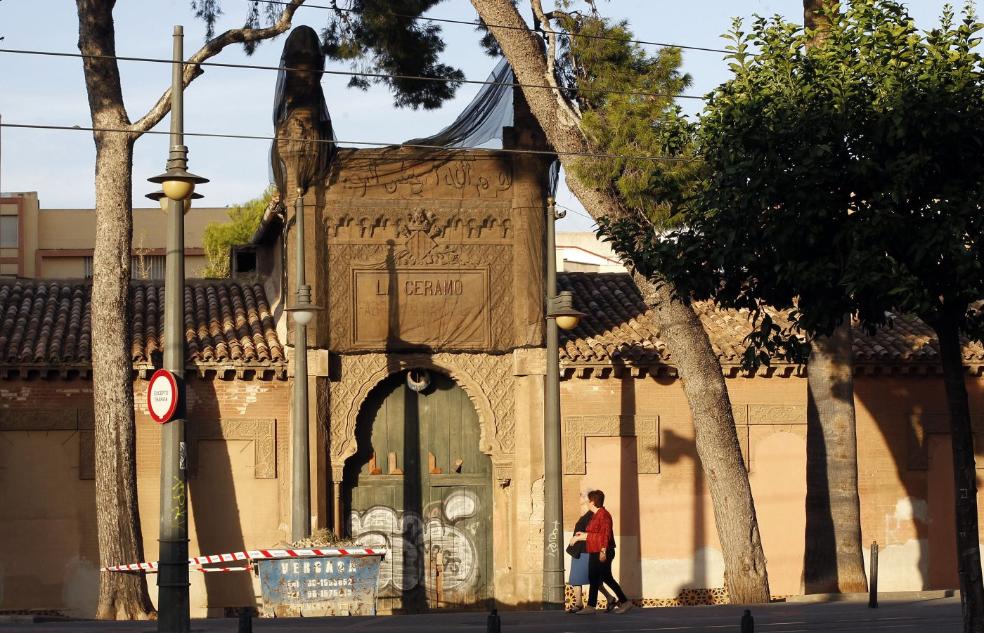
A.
pixel 212 48
pixel 566 108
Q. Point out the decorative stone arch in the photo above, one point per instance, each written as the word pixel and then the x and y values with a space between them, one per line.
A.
pixel 485 379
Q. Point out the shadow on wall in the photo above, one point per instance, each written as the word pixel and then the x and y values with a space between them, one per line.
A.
pixel 214 506
pixel 672 449
pixel 629 554
pixel 918 550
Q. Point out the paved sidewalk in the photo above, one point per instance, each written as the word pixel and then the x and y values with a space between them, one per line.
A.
pixel 919 616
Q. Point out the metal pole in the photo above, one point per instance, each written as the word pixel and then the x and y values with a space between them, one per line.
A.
pixel 873 575
pixel 553 503
pixel 301 484
pixel 172 579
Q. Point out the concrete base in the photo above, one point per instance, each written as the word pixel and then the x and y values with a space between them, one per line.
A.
pixel 887 596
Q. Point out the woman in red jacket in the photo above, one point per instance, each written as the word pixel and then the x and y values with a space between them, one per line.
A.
pixel 599 540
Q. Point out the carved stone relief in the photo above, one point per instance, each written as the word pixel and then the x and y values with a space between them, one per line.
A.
pixel 372 174
pixel 263 434
pixel 578 428
pixel 407 278
pixel 486 379
pixel 755 414
pixel 375 225
pixel 756 419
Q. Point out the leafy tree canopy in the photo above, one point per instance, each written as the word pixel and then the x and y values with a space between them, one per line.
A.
pixel 626 99
pixel 373 36
pixel 839 179
pixel 219 237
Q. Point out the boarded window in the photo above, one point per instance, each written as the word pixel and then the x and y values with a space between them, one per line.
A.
pixel 8 231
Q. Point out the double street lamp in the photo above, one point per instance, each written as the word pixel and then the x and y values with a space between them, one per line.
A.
pixel 560 314
pixel 177 191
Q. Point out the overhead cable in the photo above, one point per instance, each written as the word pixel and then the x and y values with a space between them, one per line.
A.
pixel 477 24
pixel 347 73
pixel 256 137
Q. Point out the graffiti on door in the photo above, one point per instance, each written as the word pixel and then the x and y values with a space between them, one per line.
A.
pixel 415 543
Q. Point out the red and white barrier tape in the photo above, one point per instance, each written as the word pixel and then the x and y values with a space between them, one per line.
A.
pixel 250 555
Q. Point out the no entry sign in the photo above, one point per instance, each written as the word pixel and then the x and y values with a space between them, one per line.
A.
pixel 162 396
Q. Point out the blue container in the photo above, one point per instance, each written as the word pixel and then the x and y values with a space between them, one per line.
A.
pixel 316 586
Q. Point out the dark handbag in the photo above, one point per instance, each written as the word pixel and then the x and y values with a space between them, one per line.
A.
pixel 572 550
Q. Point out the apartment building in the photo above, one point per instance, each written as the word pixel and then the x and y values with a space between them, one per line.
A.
pixel 42 243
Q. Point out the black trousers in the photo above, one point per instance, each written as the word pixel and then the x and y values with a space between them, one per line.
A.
pixel 601 572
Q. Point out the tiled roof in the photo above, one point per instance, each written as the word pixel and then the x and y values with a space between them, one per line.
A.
pixel 47 323
pixel 619 328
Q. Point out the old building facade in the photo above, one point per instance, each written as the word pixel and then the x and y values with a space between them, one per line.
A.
pixel 426 367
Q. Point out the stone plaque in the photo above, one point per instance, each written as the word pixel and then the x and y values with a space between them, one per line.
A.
pixel 421 307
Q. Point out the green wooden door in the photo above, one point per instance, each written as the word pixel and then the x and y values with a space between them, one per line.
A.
pixel 421 487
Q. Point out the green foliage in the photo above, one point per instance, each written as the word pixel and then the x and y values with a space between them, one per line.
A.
pixel 640 118
pixel 372 36
pixel 219 237
pixel 840 179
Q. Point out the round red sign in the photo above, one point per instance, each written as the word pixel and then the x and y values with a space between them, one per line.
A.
pixel 162 396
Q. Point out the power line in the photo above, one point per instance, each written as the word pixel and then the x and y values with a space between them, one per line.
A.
pixel 576 212
pixel 255 137
pixel 477 24
pixel 154 60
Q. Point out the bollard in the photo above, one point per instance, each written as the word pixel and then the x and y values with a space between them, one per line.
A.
pixel 493 625
pixel 873 577
pixel 245 620
pixel 747 622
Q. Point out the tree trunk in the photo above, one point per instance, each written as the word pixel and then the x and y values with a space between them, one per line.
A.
pixel 699 368
pixel 745 573
pixel 964 477
pixel 121 595
pixel 833 561
pixel 815 19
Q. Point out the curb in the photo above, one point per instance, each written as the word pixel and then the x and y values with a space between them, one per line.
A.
pixel 31 619
pixel 889 596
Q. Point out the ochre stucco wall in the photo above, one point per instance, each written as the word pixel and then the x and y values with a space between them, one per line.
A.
pixel 664 517
pixel 48 529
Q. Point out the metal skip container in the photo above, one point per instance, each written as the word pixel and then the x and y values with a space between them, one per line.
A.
pixel 311 586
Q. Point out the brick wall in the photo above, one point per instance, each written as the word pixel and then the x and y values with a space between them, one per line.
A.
pixel 48 553
pixel 663 511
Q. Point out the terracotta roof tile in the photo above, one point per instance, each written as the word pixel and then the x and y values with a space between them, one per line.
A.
pixel 619 328
pixel 48 323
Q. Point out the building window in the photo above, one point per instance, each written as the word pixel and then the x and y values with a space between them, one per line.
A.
pixel 141 267
pixel 8 231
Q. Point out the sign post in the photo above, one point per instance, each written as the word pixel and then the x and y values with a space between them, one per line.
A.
pixel 162 396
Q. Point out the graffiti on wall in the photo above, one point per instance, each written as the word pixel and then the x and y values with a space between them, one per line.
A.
pixel 416 543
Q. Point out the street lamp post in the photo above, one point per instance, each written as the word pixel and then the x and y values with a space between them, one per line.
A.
pixel 178 188
pixel 303 313
pixel 560 313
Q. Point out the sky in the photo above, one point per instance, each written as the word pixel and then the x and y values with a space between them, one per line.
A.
pixel 50 90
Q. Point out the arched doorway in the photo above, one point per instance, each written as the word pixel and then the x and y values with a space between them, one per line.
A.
pixel 420 486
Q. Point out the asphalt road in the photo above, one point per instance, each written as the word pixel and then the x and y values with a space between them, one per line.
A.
pixel 923 616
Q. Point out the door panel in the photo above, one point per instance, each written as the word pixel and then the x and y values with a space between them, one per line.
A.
pixel 421 487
